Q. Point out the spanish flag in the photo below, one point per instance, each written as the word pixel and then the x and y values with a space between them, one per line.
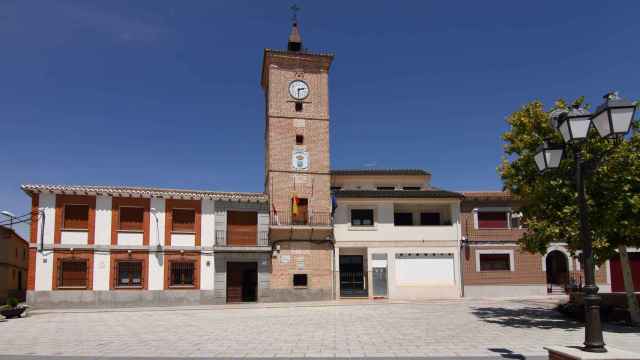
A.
pixel 294 205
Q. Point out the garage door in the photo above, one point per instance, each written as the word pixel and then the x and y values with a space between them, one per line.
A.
pixel 425 269
pixel 617 283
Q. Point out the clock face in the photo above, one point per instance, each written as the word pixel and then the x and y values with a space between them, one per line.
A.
pixel 298 89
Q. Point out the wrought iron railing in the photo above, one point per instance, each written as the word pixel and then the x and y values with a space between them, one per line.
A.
pixel 313 218
pixel 222 238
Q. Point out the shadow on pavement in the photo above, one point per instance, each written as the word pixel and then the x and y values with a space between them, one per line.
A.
pixel 538 317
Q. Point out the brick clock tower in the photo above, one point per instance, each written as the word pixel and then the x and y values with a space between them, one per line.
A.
pixel 295 82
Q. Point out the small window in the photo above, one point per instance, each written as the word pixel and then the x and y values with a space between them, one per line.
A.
pixel 76 217
pixel 492 220
pixel 131 218
pixel 362 217
pixel 299 106
pixel 129 274
pixel 385 188
pixel 430 218
pixel 336 188
pixel 300 280
pixel 183 220
pixel 403 219
pixel 73 275
pixel 299 139
pixel 411 188
pixel 182 274
pixel 493 262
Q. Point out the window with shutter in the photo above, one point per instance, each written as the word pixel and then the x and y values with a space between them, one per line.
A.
pixel 493 220
pixel 72 274
pixel 76 217
pixel 183 220
pixel 131 218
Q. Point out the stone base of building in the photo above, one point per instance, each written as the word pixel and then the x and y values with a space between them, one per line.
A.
pixel 576 353
pixel 483 291
pixel 119 298
pixel 293 294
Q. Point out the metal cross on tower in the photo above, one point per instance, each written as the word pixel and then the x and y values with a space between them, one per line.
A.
pixel 294 11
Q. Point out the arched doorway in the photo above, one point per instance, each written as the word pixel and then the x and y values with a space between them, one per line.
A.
pixel 557 265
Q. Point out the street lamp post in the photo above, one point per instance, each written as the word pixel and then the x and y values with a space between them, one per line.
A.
pixel 612 120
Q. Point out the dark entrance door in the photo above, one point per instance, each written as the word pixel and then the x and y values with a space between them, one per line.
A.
pixel 242 281
pixel 557 268
pixel 352 279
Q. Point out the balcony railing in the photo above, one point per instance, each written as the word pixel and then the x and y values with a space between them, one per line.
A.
pixel 222 237
pixel 314 218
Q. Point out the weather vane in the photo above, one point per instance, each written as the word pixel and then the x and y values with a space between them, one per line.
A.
pixel 294 10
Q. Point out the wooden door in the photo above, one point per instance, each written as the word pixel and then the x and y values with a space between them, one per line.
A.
pixel 242 281
pixel 242 228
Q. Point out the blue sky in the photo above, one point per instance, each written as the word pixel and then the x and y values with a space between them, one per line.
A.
pixel 166 93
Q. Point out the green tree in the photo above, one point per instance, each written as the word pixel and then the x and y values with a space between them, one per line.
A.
pixel 550 199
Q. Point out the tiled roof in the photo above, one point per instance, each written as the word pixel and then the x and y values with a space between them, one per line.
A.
pixel 129 191
pixel 488 195
pixel 379 172
pixel 417 194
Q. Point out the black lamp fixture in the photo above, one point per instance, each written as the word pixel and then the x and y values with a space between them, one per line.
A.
pixel 612 120
pixel 548 156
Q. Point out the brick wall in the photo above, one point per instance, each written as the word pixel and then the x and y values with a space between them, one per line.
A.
pixel 313 259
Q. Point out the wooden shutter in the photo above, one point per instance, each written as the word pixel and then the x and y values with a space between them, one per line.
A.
pixel 131 218
pixel 492 220
pixel 242 228
pixel 76 216
pixel 184 220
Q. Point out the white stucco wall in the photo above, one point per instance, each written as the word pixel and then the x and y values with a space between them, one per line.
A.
pixel 101 270
pixel 417 291
pixel 156 271
pixel 103 220
pixel 207 275
pixel 156 223
pixel 47 203
pixel 75 237
pixel 183 239
pixel 156 232
pixel 44 270
pixel 384 229
pixel 208 223
pixel 130 238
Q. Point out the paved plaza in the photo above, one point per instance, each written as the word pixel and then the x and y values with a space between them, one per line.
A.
pixel 508 328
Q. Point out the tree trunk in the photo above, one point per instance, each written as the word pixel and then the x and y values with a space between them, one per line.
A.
pixel 632 300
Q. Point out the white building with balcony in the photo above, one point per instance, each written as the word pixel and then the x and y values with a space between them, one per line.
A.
pixel 396 236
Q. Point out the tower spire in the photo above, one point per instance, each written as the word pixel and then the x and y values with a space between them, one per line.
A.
pixel 295 40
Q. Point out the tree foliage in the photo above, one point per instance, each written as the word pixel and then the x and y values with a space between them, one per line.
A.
pixel 550 199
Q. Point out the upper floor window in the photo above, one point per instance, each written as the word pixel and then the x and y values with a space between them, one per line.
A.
pixel 131 218
pixel 403 219
pixel 429 218
pixel 411 188
pixel 183 220
pixel 362 217
pixel 386 188
pixel 336 188
pixel 76 217
pixel 493 220
pixel 299 139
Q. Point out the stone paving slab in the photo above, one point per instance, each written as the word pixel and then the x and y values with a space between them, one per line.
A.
pixel 480 329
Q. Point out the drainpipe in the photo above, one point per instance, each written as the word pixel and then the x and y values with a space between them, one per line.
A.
pixel 42 230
